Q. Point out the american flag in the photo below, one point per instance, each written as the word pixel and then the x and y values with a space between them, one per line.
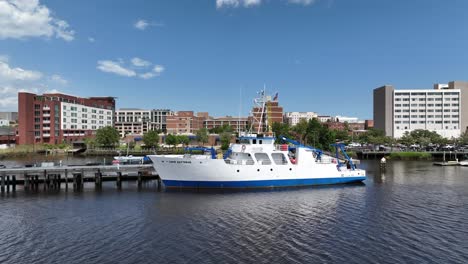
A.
pixel 276 97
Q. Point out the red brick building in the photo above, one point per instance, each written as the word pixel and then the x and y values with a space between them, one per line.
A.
pixel 55 118
pixel 368 124
pixel 272 112
pixel 342 126
pixel 237 123
pixel 185 122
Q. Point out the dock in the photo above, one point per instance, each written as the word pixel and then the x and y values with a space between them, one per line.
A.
pixel 74 177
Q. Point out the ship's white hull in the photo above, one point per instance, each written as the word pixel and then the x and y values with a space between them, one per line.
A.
pixel 180 172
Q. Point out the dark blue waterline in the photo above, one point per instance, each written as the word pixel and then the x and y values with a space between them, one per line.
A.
pixel 261 183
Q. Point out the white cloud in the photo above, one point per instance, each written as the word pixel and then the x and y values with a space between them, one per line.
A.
pixel 135 68
pixel 28 18
pixel 114 67
pixel 16 79
pixel 302 2
pixel 90 39
pixel 157 70
pixel 52 91
pixel 141 24
pixel 237 3
pixel 250 3
pixel 140 62
pixel 4 58
pixel 147 75
pixel 58 79
pixel 17 74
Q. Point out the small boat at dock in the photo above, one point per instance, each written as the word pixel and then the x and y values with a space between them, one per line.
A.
pixel 447 163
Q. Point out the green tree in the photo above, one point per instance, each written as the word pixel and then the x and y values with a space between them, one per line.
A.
pixel 342 135
pixel 464 138
pixel 172 140
pixel 90 143
pixel 151 139
pixel 183 139
pixel 221 129
pixel 281 129
pixel 107 136
pixel 407 139
pixel 300 130
pixel 225 138
pixel 202 136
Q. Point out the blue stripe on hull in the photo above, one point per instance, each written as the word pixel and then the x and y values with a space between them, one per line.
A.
pixel 260 184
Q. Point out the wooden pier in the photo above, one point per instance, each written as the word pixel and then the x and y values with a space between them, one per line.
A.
pixel 51 178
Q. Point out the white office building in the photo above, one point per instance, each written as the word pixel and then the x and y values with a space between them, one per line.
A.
pixel 133 121
pixel 83 117
pixel 442 109
pixel 293 118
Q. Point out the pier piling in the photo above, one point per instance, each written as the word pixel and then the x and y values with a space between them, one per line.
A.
pixel 66 180
pixel 119 180
pixel 139 179
pixel 13 182
pixel 8 183
pixel 3 184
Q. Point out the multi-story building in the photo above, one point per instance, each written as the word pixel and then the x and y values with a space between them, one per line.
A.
pixel 324 118
pixel 345 119
pixel 334 125
pixel 268 114
pixel 185 122
pixel 138 121
pixel 293 118
pixel 443 109
pixel 55 118
pixel 237 123
pixel 10 116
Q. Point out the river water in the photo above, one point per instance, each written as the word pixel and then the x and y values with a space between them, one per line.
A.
pixel 413 213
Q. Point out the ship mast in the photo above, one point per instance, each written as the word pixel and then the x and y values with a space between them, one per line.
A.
pixel 261 113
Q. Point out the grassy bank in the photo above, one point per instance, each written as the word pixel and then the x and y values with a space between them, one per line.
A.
pixel 25 150
pixel 410 156
pixel 20 151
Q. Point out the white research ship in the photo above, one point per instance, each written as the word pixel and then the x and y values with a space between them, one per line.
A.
pixel 254 161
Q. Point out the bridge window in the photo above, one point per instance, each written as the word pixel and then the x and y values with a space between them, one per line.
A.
pixel 279 158
pixel 262 158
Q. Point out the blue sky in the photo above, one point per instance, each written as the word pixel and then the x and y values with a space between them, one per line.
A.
pixel 324 55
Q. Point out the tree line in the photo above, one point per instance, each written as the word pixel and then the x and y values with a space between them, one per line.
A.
pixel 310 132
